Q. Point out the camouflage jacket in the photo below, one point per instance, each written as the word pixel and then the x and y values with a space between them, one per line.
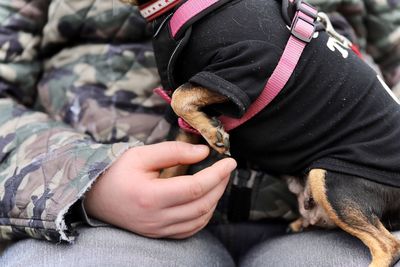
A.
pixel 76 80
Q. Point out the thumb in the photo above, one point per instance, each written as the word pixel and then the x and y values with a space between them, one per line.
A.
pixel 168 154
pixel 221 169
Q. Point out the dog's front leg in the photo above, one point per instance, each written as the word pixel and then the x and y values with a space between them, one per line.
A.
pixel 187 102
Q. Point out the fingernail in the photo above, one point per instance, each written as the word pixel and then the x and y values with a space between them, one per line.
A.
pixel 231 164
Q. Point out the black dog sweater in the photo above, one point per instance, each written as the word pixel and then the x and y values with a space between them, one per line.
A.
pixel 334 113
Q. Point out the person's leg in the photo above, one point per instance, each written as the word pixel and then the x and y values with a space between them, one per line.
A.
pixel 238 238
pixel 314 248
pixel 114 247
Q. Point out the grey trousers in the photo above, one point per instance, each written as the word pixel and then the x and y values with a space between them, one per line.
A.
pixel 224 245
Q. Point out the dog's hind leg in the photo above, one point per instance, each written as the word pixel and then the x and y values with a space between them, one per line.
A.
pixel 187 102
pixel 355 205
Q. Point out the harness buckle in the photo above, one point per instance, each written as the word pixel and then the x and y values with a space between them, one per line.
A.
pixel 303 24
pixel 306 8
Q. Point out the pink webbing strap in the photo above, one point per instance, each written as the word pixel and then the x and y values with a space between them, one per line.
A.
pixel 276 82
pixel 187 11
pixel 302 26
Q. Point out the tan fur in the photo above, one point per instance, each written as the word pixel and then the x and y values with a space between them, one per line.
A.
pixel 187 102
pixel 314 216
pixel 297 225
pixel 384 247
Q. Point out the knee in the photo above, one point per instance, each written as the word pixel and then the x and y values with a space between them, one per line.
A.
pixel 314 248
pixel 114 247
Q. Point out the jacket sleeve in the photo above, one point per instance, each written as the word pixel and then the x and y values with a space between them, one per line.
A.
pixel 45 165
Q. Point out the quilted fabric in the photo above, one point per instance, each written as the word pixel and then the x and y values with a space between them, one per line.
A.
pixel 75 67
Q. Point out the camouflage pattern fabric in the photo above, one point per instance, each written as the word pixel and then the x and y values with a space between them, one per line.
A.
pixel 46 166
pixel 76 93
pixel 76 80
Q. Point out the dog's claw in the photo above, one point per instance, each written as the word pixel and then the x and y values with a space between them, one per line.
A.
pixel 219 135
pixel 219 144
pixel 222 142
pixel 215 122
pixel 227 144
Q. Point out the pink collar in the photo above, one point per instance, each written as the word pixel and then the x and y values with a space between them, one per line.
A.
pixel 156 8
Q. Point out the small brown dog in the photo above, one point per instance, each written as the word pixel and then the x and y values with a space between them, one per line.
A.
pixel 334 121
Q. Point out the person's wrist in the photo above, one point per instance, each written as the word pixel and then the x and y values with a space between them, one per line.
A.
pixel 90 199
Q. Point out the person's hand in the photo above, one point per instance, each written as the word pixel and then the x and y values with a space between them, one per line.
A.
pixel 130 194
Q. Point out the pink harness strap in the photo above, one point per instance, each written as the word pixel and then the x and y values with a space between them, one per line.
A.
pixel 187 11
pixel 302 30
pixel 276 82
pixel 287 63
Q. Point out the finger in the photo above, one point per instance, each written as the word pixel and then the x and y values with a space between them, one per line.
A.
pixel 188 234
pixel 183 189
pixel 188 228
pixel 168 154
pixel 197 208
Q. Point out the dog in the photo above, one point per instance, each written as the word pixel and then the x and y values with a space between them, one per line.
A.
pixel 334 123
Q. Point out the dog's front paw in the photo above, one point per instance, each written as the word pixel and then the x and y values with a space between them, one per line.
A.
pixel 217 137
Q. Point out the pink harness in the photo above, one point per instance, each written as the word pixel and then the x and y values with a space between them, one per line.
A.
pixel 302 31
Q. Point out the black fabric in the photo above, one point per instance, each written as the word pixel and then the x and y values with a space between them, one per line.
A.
pixel 333 113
